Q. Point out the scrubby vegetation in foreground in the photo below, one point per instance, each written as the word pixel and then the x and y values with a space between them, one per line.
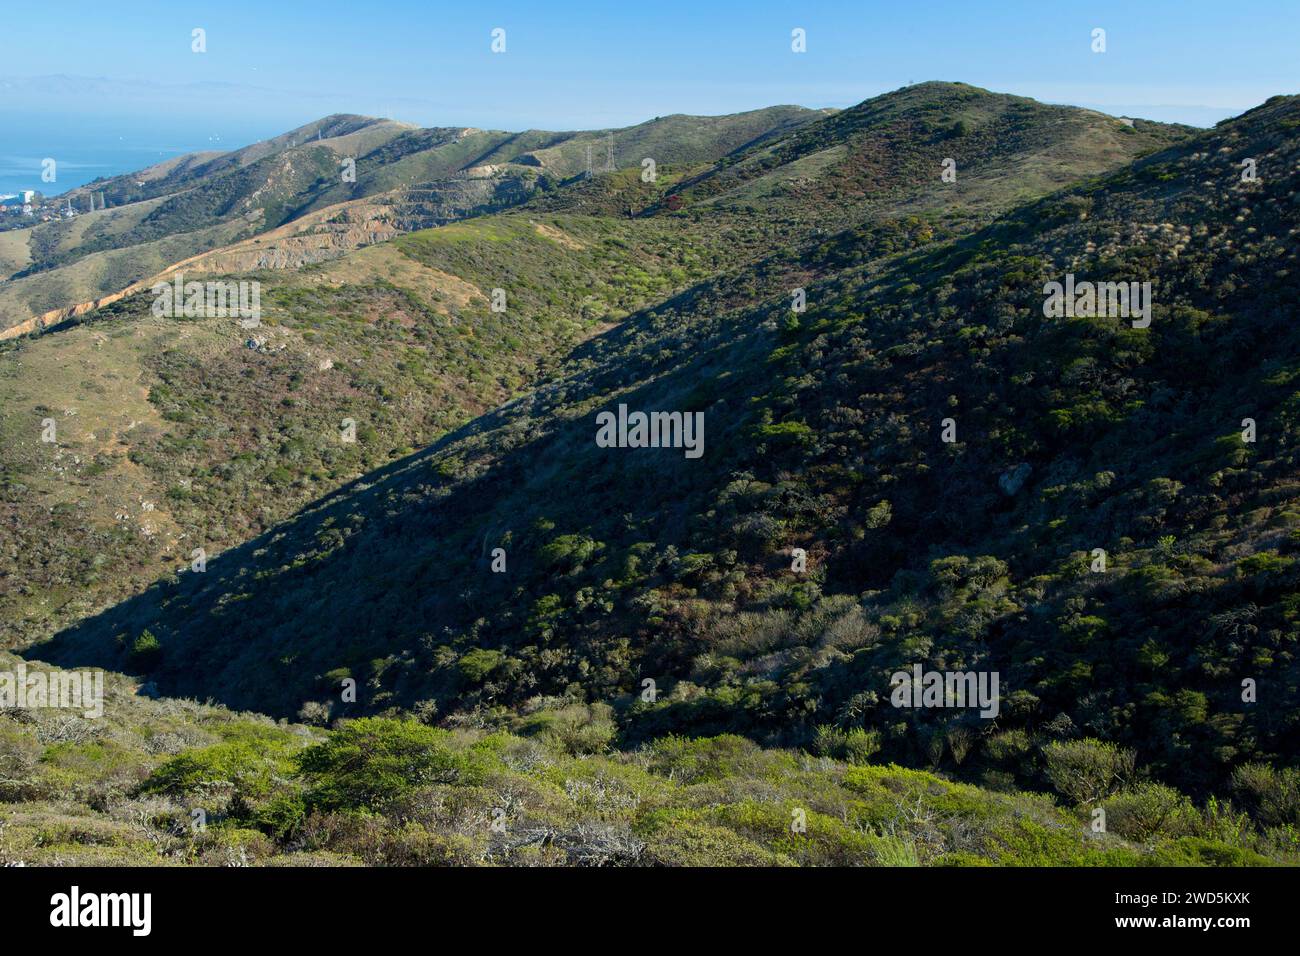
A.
pixel 172 782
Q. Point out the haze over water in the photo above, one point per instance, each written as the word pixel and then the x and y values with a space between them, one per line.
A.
pixel 87 148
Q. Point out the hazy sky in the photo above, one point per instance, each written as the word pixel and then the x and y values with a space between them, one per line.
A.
pixel 580 64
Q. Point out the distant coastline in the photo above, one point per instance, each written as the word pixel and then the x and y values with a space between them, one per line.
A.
pixel 20 165
pixel 87 148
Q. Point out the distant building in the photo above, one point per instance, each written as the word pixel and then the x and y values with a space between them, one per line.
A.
pixel 17 200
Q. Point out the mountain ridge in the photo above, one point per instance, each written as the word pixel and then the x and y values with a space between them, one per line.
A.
pixel 706 350
pixel 908 461
pixel 238 195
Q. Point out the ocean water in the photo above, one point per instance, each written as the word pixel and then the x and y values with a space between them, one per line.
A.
pixel 86 148
pixel 20 164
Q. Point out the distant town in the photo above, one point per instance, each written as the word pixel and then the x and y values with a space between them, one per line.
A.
pixel 30 203
pixel 20 202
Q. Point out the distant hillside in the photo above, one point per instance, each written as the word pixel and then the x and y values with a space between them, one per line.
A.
pixel 166 214
pixel 824 434
pixel 406 324
pixel 171 434
pixel 923 466
pixel 887 152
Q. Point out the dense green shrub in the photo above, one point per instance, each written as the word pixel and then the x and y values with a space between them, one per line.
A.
pixel 1147 810
pixel 1272 794
pixel 855 745
pixel 1087 770
pixel 369 763
pixel 146 652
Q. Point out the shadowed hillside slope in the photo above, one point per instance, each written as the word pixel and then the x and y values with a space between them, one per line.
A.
pixel 823 431
pixel 179 434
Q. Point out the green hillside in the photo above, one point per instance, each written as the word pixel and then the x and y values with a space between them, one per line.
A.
pixel 1159 686
pixel 177 434
pixel 415 349
pixel 147 221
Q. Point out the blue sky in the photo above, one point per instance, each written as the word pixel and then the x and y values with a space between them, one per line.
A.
pixel 587 65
